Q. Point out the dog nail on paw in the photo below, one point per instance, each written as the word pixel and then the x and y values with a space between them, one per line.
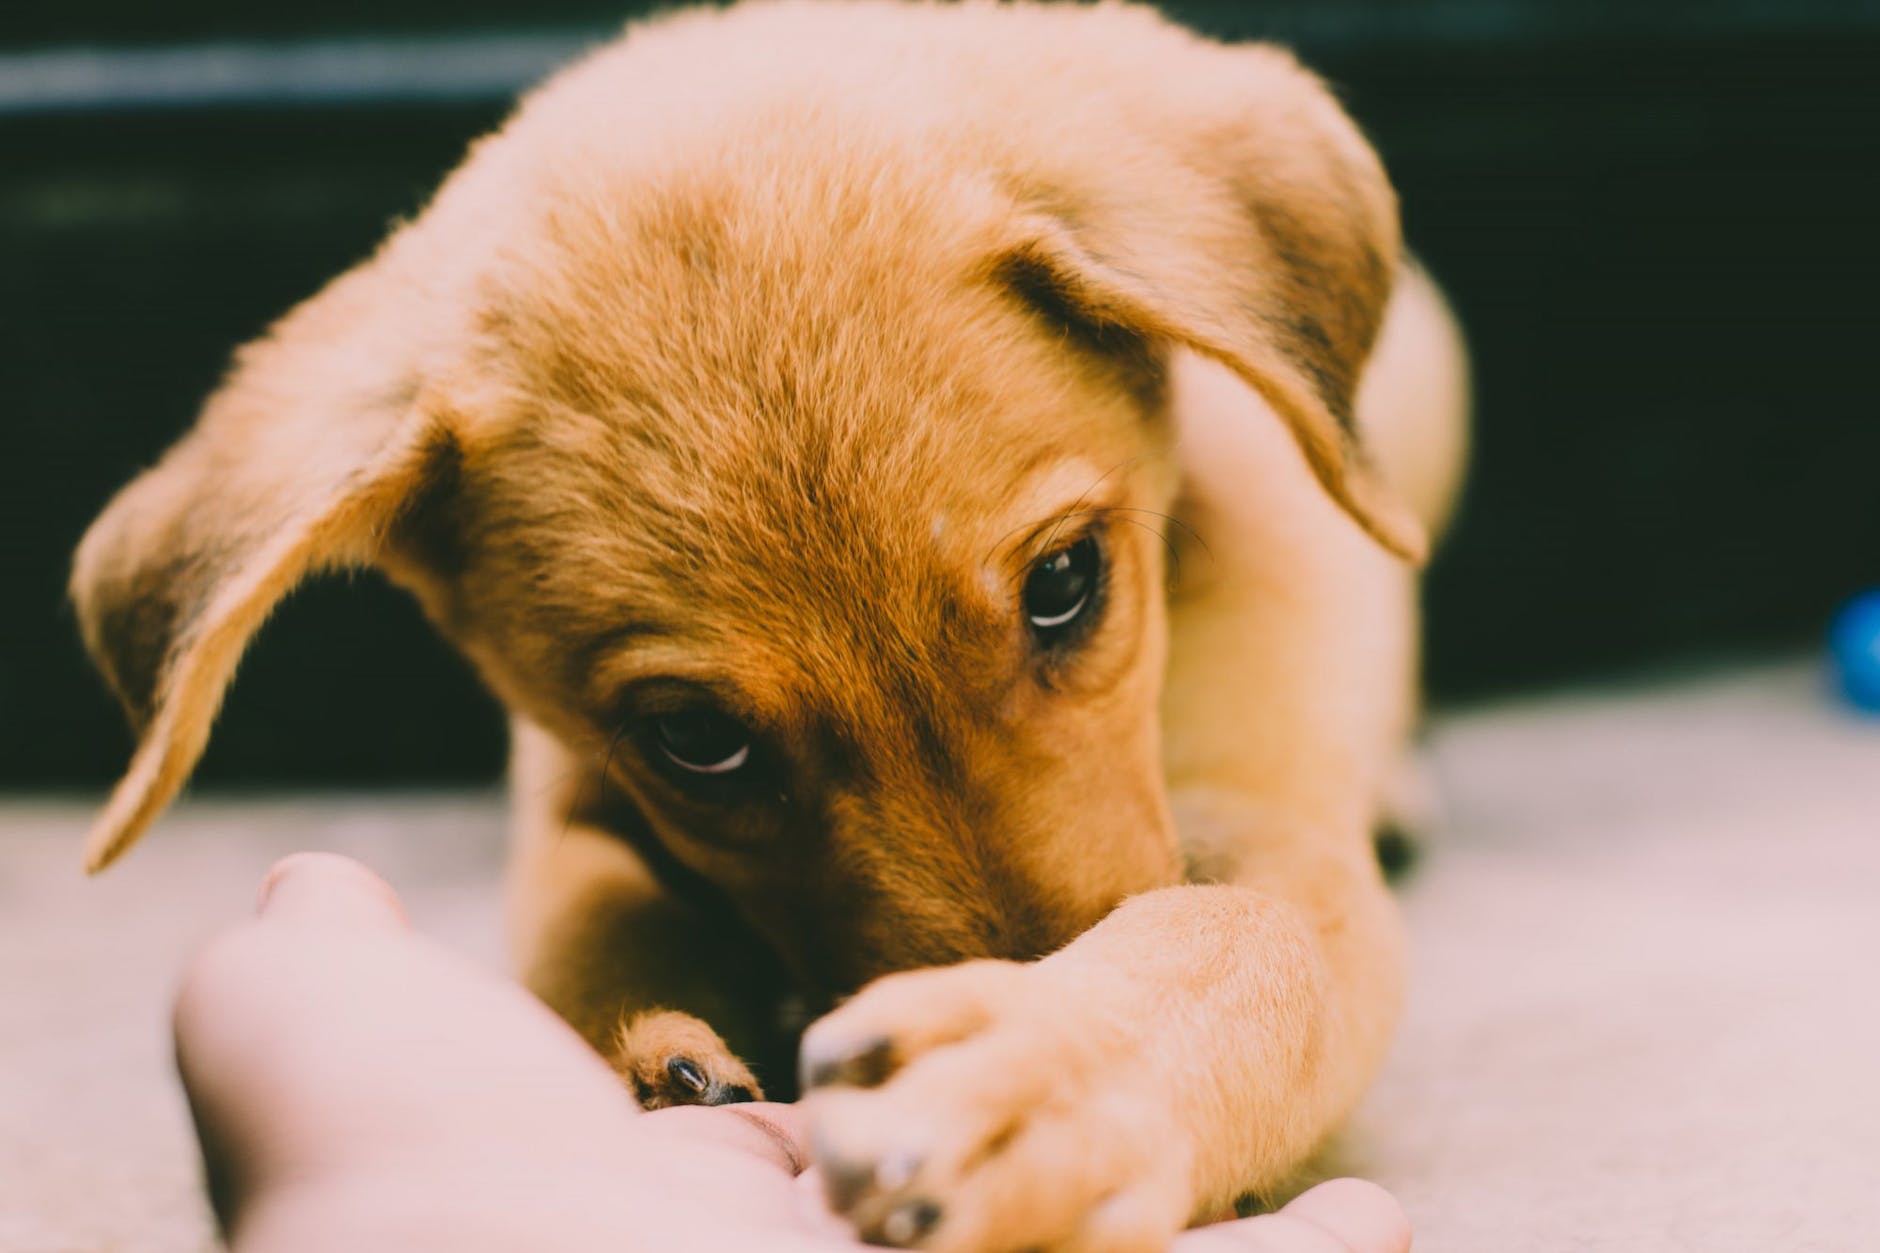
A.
pixel 861 1065
pixel 909 1223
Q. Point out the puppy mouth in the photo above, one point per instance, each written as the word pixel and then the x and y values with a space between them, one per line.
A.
pixel 839 963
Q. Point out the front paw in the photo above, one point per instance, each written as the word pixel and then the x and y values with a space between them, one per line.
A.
pixel 994 1106
pixel 670 1058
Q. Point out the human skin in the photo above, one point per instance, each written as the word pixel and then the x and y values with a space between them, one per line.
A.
pixel 357 1086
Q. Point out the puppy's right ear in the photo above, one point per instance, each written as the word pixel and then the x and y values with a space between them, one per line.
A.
pixel 312 447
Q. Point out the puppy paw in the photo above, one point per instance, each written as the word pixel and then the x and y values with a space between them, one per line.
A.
pixel 991 1107
pixel 670 1058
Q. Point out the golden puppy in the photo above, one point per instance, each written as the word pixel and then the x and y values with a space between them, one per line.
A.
pixel 936 487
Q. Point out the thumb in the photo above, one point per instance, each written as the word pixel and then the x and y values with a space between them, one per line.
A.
pixel 1342 1216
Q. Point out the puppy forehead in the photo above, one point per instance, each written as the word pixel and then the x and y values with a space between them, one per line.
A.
pixel 852 592
pixel 766 422
pixel 907 550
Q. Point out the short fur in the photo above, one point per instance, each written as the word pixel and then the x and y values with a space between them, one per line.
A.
pixel 759 355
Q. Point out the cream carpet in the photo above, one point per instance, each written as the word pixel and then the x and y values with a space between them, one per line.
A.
pixel 1646 1013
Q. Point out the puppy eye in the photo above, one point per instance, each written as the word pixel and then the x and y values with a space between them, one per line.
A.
pixel 1061 589
pixel 703 740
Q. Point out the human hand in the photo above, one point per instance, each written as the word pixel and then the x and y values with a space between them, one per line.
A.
pixel 356 1086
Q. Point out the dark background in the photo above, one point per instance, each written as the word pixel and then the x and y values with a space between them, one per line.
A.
pixel 1658 222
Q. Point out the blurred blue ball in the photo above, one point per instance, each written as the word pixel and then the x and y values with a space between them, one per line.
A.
pixel 1854 646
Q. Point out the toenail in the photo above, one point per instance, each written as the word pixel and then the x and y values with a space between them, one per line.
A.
pixel 863 1067
pixel 909 1223
pixel 686 1073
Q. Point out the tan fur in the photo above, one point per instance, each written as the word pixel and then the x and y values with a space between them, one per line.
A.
pixel 757 358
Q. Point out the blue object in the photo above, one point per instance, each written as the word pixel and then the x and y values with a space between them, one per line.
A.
pixel 1854 647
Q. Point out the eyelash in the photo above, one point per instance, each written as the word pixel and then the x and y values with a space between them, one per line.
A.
pixel 1057 650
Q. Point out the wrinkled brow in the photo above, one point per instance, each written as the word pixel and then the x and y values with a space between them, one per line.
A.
pixel 584 656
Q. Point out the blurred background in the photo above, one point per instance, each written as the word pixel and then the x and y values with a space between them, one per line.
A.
pixel 1657 221
pixel 1643 933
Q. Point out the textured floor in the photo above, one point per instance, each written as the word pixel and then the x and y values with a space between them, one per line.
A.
pixel 1646 1013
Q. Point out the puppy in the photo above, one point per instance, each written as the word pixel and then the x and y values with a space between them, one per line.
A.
pixel 938 488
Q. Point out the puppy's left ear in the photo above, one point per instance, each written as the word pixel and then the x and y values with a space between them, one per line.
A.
pixel 1235 210
pixel 302 461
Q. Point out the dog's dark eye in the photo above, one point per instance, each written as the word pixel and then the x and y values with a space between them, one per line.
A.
pixel 703 740
pixel 1061 589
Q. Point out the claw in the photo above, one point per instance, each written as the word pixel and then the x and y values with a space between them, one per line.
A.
pixel 863 1066
pixel 909 1223
pixel 686 1073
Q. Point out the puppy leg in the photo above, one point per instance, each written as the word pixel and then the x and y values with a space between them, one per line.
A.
pixel 1193 1046
pixel 649 982
pixel 670 993
pixel 1201 1040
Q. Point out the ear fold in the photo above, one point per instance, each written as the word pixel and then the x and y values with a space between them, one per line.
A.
pixel 1245 218
pixel 300 462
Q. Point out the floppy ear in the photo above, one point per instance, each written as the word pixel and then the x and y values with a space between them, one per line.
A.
pixel 300 462
pixel 1240 215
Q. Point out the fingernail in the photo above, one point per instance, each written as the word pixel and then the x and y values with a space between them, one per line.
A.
pixel 328 888
pixel 1356 1213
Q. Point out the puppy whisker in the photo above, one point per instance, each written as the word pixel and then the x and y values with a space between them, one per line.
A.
pixel 1174 557
pixel 600 780
pixel 1077 506
pixel 1169 518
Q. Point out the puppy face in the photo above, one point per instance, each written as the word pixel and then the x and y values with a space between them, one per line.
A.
pixel 785 432
pixel 872 637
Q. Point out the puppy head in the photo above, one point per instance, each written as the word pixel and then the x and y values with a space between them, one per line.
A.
pixel 806 468
pixel 871 634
